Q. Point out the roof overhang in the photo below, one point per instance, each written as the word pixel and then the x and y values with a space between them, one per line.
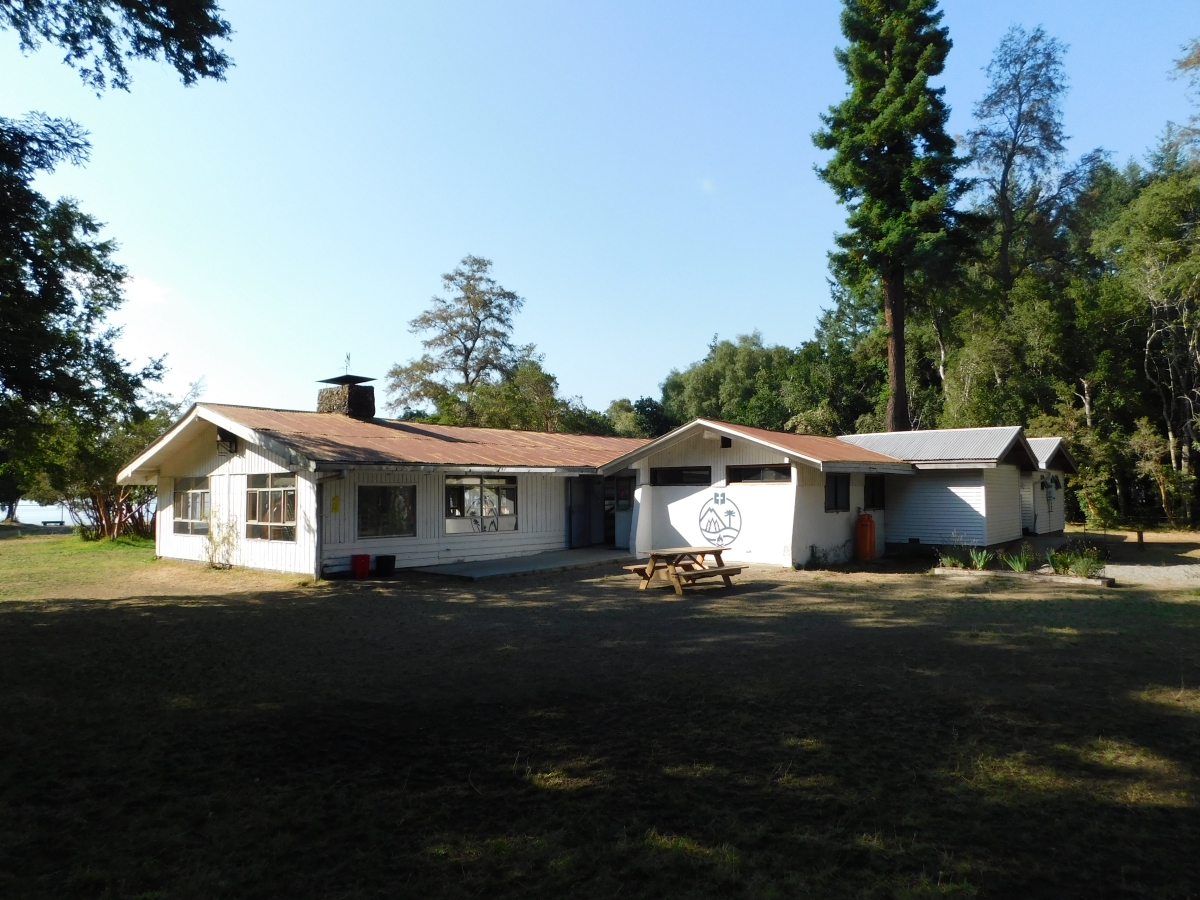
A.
pixel 448 469
pixel 145 468
pixel 1062 460
pixel 708 427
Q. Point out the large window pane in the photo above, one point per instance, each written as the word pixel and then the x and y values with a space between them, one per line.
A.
pixel 289 506
pixel 387 510
pixel 277 506
pixel 257 481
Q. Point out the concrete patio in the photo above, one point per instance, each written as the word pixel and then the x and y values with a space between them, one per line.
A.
pixel 552 561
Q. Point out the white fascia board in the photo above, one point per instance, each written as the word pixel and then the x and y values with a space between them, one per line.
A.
pixel 977 464
pixel 683 432
pixel 258 439
pixel 425 469
pixel 139 468
pixel 142 470
pixel 869 468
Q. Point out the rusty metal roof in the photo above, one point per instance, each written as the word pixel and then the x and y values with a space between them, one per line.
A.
pixel 812 446
pixel 330 438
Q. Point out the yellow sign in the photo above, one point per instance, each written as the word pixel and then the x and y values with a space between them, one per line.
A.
pixel 335 503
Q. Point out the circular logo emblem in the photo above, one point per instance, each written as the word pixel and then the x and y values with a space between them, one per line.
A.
pixel 720 520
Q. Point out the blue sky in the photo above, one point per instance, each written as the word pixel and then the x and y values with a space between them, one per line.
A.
pixel 641 173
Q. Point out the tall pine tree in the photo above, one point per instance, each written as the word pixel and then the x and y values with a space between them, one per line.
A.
pixel 894 164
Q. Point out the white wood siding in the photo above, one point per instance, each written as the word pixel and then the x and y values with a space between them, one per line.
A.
pixel 937 507
pixel 227 493
pixel 1027 520
pixel 1040 514
pixel 1002 504
pixel 541 522
pixel 832 533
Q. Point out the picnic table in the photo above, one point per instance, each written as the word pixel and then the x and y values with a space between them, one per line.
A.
pixel 684 565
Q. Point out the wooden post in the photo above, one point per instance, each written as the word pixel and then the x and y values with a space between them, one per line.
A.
pixel 1141 542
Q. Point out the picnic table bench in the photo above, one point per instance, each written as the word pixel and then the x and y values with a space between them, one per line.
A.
pixel 683 565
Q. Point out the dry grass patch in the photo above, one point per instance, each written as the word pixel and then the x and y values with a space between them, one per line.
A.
pixel 831 735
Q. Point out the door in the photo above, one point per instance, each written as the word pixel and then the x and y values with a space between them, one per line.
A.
pixel 585 510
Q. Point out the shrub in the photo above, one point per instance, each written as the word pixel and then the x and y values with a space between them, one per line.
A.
pixel 951 559
pixel 221 542
pixel 1086 563
pixel 1021 560
pixel 1059 561
pixel 980 558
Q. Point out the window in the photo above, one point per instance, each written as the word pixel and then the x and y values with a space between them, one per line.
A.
pixel 271 507
pixel 481 503
pixel 873 492
pixel 837 493
pixel 681 475
pixel 757 474
pixel 387 510
pixel 191 505
pixel 625 487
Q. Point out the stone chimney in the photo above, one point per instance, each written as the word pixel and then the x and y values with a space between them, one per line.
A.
pixel 350 397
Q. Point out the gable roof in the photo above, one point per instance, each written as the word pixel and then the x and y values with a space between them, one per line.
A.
pixel 964 447
pixel 330 441
pixel 1052 453
pixel 824 453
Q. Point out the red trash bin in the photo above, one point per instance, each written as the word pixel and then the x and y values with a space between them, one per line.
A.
pixel 360 565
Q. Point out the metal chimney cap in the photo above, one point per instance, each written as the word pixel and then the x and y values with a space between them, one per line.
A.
pixel 345 379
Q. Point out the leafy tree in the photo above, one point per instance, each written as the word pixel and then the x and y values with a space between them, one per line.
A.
pixel 894 164
pixel 99 36
pixel 1017 148
pixel 58 280
pixel 469 340
pixel 1155 245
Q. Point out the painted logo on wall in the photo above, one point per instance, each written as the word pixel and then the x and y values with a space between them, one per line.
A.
pixel 720 520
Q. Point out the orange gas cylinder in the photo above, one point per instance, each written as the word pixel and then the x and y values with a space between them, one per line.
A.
pixel 864 538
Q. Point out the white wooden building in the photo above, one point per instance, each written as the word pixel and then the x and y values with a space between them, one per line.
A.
pixel 766 496
pixel 306 491
pixel 966 486
pixel 1042 492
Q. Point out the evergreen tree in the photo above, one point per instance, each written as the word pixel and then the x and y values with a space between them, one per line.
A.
pixel 894 164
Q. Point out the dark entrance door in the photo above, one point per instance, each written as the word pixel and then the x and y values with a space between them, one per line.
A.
pixel 585 508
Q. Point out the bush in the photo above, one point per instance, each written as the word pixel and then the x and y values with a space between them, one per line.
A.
pixel 980 558
pixel 1021 561
pixel 1059 561
pixel 951 558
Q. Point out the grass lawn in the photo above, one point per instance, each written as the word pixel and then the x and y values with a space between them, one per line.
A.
pixel 178 733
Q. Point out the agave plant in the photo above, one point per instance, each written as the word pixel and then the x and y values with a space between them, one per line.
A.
pixel 981 558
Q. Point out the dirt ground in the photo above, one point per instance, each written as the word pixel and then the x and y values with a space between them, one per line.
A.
pixel 803 734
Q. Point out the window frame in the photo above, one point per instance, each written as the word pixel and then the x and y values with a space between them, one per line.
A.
pixel 871 496
pixel 358 497
pixel 186 500
pixel 657 473
pixel 782 468
pixel 833 481
pixel 283 530
pixel 504 491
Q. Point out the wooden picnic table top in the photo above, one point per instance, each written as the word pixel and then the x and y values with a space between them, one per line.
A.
pixel 686 551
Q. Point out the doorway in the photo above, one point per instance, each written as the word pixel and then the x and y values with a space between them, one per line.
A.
pixel 585 511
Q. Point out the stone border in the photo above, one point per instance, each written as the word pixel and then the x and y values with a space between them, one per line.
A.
pixel 1025 576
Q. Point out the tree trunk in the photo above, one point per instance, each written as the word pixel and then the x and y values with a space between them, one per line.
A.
pixel 11 514
pixel 893 317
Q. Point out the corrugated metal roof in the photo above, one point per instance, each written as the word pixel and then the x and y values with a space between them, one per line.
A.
pixel 1048 448
pixel 942 445
pixel 338 439
pixel 813 446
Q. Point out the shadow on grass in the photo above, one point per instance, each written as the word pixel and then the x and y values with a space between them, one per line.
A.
pixel 545 737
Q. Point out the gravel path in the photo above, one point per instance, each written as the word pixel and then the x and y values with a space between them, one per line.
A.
pixel 1167 576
